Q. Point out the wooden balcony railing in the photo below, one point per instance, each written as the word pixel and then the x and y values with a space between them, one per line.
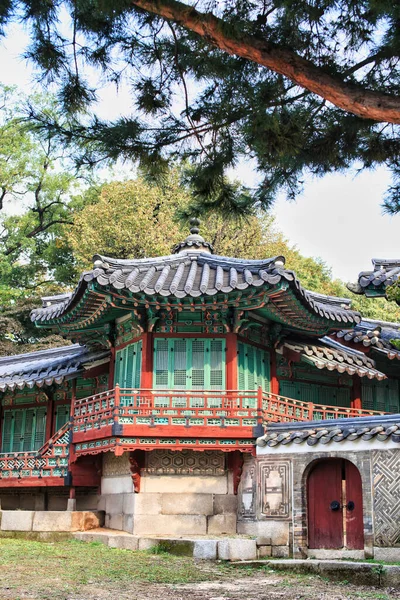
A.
pixel 277 409
pixel 171 410
pixel 49 463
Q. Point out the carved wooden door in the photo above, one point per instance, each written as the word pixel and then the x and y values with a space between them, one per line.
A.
pixel 335 514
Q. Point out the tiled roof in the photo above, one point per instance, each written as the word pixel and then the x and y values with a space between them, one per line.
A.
pixel 380 427
pixel 331 355
pixel 376 335
pixel 194 273
pixel 45 366
pixel 374 283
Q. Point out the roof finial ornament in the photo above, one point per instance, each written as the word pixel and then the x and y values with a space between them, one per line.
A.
pixel 194 241
pixel 195 224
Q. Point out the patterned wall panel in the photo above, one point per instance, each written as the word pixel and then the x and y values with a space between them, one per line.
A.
pixel 185 462
pixel 247 490
pixel 386 483
pixel 115 465
pixel 275 489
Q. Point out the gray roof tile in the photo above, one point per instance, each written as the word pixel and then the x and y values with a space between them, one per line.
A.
pixel 45 367
pixel 194 273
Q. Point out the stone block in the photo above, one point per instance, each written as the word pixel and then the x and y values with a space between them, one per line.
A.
pixel 225 504
pixel 17 520
pixel 117 485
pixel 280 551
pixel 264 551
pixel 205 549
pixel 114 504
pixel 170 525
pixel 147 543
pixel 237 549
pixel 262 540
pixel 127 523
pixel 357 573
pixel 100 538
pixel 123 542
pixel 387 554
pixel 101 503
pixel 115 521
pixel 277 531
pixel 85 520
pixel 390 576
pixel 71 504
pixel 187 504
pixel 116 541
pixel 148 504
pixel 221 524
pixel 185 484
pixel 128 506
pixel 53 520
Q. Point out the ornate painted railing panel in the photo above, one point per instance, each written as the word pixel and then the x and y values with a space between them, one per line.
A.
pixel 44 466
pixel 165 412
pixel 277 409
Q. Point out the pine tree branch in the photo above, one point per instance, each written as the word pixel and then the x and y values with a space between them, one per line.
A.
pixel 350 97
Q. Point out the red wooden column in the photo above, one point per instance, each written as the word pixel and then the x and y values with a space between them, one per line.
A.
pixel 356 401
pixel 274 377
pixel 146 378
pixel 231 362
pixel 49 416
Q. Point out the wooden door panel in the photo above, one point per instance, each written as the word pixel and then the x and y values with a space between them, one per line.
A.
pixel 325 526
pixel 354 518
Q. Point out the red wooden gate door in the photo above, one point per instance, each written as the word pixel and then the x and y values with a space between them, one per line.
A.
pixel 335 514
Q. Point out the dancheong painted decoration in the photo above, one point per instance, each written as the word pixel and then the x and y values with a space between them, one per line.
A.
pixel 176 365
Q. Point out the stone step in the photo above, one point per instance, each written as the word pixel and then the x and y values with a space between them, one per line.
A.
pixel 232 548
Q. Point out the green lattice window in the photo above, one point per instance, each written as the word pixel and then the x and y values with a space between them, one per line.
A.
pixel 61 416
pixel 316 393
pixel 254 367
pixel 381 395
pixel 128 366
pixel 190 364
pixel 23 430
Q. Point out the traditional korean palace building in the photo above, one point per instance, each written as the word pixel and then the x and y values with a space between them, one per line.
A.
pixel 178 365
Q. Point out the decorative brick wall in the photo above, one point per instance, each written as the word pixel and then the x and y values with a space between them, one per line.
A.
pixel 386 486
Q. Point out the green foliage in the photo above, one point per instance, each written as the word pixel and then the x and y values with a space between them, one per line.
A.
pixel 36 183
pixel 196 101
pixel 130 220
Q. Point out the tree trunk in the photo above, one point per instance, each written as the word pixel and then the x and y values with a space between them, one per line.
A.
pixel 350 97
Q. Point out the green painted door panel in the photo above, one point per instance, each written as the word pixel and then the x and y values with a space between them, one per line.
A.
pixel 253 368
pixel 315 393
pixel 380 395
pixel 189 364
pixel 62 416
pixel 128 365
pixel 24 430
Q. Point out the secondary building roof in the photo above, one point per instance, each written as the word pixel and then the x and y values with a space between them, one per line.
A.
pixel 375 283
pixel 46 367
pixel 373 336
pixel 380 427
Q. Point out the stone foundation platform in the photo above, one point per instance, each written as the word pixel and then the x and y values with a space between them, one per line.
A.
pixel 50 521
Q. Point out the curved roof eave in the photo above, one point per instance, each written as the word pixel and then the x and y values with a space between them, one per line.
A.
pixel 193 273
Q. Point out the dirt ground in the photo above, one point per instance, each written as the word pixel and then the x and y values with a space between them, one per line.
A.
pixel 79 571
pixel 255 586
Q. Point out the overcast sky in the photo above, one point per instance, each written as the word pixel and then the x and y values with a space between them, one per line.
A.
pixel 338 218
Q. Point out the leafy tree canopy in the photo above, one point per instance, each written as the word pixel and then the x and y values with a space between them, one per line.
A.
pixel 298 86
pixel 130 219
